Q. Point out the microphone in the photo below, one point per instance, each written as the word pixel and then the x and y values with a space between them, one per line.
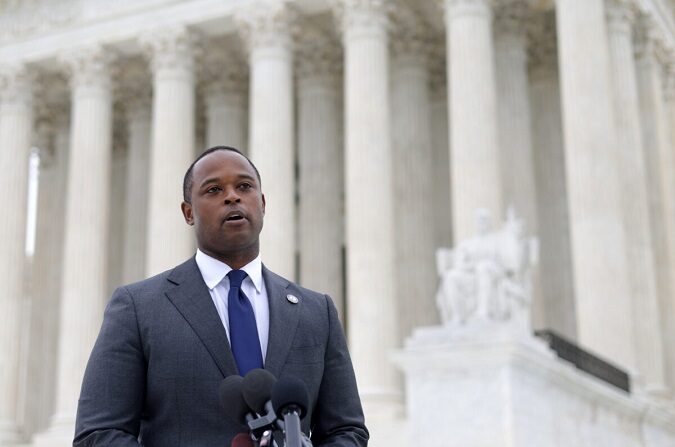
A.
pixel 256 391
pixel 242 440
pixel 290 400
pixel 232 400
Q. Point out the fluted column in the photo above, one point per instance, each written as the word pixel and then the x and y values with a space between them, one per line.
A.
pixel 172 148
pixel 658 157
pixel 372 313
pixel 225 98
pixel 271 127
pixel 555 260
pixel 85 260
pixel 603 301
pixel 440 143
pixel 16 121
pixel 475 159
pixel 321 186
pixel 412 174
pixel 139 136
pixel 667 307
pixel 47 266
pixel 515 123
pixel 635 199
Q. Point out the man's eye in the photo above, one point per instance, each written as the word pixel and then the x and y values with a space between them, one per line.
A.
pixel 213 189
pixel 246 186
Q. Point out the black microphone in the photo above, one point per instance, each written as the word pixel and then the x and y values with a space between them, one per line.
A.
pixel 256 392
pixel 232 399
pixel 290 399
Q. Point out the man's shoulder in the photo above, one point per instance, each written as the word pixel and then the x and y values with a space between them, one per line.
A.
pixel 293 287
pixel 164 280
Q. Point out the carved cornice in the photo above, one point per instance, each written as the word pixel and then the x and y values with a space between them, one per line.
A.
pixel 20 19
pixel 171 49
pixel 361 15
pixel 318 54
pixel 16 85
pixel 89 67
pixel 267 24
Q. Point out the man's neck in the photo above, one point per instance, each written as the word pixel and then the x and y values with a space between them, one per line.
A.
pixel 234 260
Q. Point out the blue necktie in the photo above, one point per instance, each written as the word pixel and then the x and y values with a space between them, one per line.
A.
pixel 244 339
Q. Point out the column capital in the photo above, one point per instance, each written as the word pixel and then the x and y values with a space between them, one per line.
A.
pixel 512 17
pixel 459 8
pixel 319 54
pixel 542 51
pixel 224 71
pixel 16 84
pixel 410 38
pixel 89 67
pixel 171 49
pixel 650 44
pixel 361 15
pixel 621 15
pixel 669 78
pixel 438 68
pixel 266 24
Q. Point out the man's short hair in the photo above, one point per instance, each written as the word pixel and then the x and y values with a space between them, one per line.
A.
pixel 188 181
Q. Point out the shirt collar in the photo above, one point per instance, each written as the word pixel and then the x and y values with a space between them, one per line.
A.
pixel 214 271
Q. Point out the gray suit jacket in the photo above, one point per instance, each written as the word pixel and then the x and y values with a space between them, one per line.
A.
pixel 153 375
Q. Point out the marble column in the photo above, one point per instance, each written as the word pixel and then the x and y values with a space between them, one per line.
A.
pixel 440 143
pixel 85 261
pixel 225 98
pixel 372 315
pixel 658 158
pixel 412 174
pixel 472 104
pixel 47 265
pixel 271 127
pixel 515 123
pixel 16 122
pixel 603 302
pixel 139 137
pixel 668 304
pixel 172 149
pixel 635 198
pixel 320 159
pixel 555 259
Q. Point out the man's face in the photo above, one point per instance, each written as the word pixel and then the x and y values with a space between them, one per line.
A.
pixel 227 206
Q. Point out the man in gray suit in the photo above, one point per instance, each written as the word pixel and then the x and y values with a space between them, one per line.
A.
pixel 167 342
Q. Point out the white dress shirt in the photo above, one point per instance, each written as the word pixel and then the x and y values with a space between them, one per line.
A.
pixel 215 273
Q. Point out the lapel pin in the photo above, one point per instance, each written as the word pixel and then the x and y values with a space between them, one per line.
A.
pixel 292 299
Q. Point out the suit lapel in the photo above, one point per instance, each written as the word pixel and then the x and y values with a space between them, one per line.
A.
pixel 193 300
pixel 284 317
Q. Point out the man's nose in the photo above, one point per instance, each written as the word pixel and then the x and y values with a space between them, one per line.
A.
pixel 232 196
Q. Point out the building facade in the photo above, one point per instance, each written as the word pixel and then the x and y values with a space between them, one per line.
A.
pixel 379 127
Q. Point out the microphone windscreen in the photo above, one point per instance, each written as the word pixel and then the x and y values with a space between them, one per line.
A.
pixel 232 399
pixel 257 389
pixel 242 440
pixel 290 391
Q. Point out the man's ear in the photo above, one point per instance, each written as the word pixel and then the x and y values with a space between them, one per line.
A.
pixel 186 208
pixel 263 201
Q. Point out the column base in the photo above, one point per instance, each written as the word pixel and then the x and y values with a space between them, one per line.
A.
pixel 385 417
pixel 60 433
pixel 9 433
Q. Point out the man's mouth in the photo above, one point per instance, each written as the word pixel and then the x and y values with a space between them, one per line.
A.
pixel 234 216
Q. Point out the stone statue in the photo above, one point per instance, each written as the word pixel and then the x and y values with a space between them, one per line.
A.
pixel 487 276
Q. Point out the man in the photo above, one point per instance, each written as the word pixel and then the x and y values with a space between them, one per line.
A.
pixel 166 343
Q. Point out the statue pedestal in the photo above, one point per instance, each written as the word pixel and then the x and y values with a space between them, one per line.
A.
pixel 490 384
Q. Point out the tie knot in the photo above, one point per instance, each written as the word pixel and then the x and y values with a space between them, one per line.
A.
pixel 236 277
